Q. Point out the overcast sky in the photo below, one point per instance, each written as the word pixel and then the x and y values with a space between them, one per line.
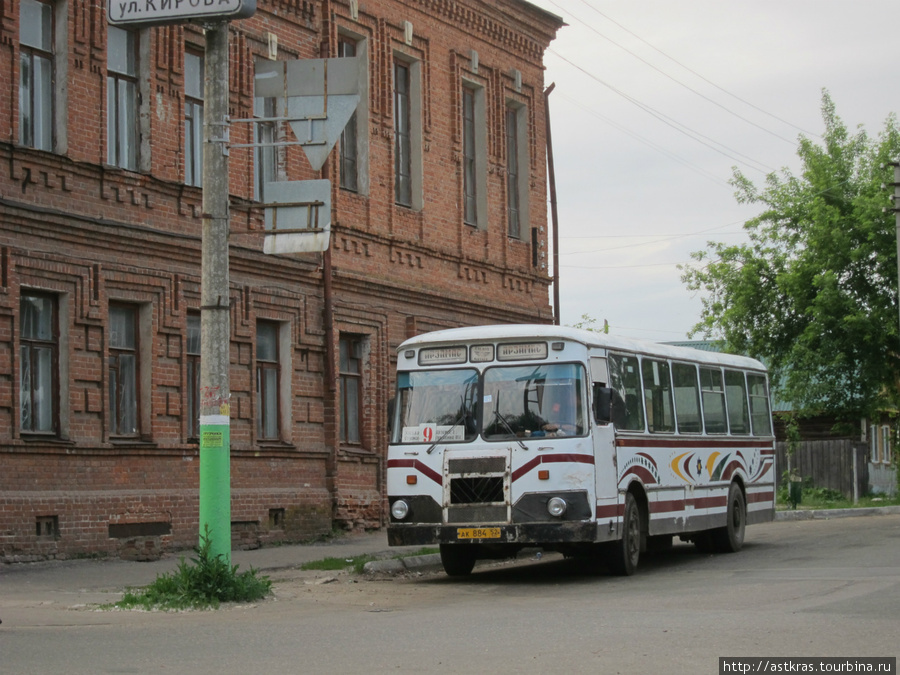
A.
pixel 656 101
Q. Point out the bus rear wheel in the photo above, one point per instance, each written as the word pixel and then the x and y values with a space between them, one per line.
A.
pixel 458 559
pixel 730 539
pixel 625 554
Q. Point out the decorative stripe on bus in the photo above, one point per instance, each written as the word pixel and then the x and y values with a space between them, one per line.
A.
pixel 424 469
pixel 678 505
pixel 693 442
pixel 547 459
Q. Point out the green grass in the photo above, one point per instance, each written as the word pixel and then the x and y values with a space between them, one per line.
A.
pixel 356 563
pixel 825 498
pixel 204 583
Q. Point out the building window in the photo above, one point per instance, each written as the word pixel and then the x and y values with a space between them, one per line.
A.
pixel 514 227
pixel 402 135
pixel 124 371
pixel 39 356
pixel 474 156
pixel 193 375
pixel 469 160
pixel 122 99
pixel 351 388
pixel 36 74
pixel 886 444
pixel 193 119
pixel 265 156
pixel 349 136
pixel 267 380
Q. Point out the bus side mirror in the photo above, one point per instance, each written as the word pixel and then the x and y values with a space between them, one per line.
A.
pixel 603 404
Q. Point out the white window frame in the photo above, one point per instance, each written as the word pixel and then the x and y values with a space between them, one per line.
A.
pixel 417 199
pixel 479 148
pixel 522 164
pixel 193 117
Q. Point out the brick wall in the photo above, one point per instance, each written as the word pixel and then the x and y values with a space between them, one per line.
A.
pixel 89 234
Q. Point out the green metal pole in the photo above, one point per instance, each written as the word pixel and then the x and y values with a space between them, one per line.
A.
pixel 215 309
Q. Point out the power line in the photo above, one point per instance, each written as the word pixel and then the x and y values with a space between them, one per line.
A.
pixel 676 80
pixel 678 126
pixel 696 74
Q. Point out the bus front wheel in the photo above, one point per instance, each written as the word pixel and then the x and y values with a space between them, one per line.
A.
pixel 625 554
pixel 458 559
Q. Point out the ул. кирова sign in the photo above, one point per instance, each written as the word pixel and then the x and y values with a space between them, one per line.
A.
pixel 155 12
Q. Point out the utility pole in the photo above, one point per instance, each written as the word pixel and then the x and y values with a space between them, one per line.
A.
pixel 215 303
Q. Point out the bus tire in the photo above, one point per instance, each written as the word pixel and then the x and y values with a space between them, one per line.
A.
pixel 730 539
pixel 625 554
pixel 458 559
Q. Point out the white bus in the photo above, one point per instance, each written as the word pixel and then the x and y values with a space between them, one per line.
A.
pixel 505 437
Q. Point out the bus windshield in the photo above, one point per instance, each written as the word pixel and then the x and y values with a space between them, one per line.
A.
pixel 534 401
pixel 436 406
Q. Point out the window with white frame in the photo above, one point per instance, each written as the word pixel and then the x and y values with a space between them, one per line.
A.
pixel 124 370
pixel 517 214
pixel 349 136
pixel 873 443
pixel 351 388
pixel 122 123
pixel 38 363
pixel 193 118
pixel 265 154
pixel 402 135
pixel 267 380
pixel 514 226
pixel 36 76
pixel 474 157
pixel 408 134
pixel 885 443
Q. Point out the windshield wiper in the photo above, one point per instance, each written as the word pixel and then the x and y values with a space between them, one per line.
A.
pixel 505 422
pixel 444 435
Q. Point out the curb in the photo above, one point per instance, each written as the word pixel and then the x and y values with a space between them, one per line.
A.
pixel 828 514
pixel 411 563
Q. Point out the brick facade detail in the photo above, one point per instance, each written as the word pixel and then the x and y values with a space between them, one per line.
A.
pixel 89 235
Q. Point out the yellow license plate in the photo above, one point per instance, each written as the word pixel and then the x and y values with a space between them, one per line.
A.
pixel 478 533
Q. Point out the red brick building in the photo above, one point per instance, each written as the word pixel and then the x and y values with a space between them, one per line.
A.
pixel 438 220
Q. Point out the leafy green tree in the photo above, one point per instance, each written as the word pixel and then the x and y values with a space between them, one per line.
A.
pixel 814 291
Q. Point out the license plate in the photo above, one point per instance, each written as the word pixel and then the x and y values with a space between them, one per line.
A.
pixel 478 533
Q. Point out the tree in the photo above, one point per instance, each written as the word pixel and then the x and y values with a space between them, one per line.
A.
pixel 814 292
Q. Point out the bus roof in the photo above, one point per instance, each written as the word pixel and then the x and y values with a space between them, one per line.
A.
pixel 514 332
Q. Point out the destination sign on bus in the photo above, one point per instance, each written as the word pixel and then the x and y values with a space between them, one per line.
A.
pixel 522 352
pixel 442 356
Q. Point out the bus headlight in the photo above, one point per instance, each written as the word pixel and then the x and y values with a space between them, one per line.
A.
pixel 556 507
pixel 399 509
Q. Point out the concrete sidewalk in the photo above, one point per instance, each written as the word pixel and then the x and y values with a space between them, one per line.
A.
pixel 66 582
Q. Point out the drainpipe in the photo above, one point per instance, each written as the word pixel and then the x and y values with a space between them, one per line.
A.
pixel 551 174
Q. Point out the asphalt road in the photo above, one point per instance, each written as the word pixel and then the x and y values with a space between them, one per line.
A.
pixel 811 588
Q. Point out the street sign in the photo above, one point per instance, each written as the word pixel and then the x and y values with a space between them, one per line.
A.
pixel 298 216
pixel 159 12
pixel 321 97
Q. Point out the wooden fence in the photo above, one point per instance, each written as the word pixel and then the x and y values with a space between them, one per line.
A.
pixel 827 464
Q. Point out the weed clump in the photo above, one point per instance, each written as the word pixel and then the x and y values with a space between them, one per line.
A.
pixel 201 584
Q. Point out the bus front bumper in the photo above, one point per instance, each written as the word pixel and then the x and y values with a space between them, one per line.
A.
pixel 564 532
